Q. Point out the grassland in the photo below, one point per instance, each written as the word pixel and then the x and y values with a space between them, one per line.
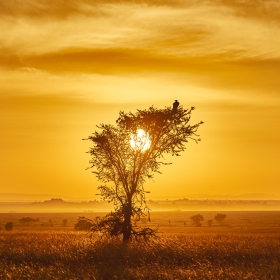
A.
pixel 246 246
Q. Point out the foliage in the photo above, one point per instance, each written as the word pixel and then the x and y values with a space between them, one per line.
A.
pixel 197 219
pixel 111 225
pixel 115 160
pixel 9 226
pixel 210 222
pixel 220 217
pixel 72 255
pixel 28 220
pixel 83 224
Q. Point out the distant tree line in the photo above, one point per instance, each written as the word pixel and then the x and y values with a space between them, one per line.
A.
pixel 28 220
pixel 86 224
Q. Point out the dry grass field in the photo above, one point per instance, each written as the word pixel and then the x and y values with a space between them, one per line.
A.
pixel 245 246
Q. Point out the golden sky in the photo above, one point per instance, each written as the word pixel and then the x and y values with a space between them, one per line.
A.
pixel 66 66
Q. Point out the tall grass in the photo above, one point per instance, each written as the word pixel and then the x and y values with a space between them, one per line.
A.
pixel 74 255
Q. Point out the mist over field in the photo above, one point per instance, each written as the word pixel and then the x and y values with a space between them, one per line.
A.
pixel 59 205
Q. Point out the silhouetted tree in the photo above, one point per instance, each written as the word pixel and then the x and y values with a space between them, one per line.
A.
pixel 9 226
pixel 210 222
pixel 83 224
pixel 197 219
pixel 28 220
pixel 128 154
pixel 220 217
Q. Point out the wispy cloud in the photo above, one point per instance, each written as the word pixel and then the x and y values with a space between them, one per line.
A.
pixel 165 27
pixel 217 44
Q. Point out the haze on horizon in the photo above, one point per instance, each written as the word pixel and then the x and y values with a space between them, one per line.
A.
pixel 68 66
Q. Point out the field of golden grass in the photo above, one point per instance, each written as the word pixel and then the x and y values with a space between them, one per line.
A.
pixel 246 246
pixel 73 255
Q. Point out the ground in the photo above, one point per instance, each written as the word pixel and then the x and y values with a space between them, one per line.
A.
pixel 245 246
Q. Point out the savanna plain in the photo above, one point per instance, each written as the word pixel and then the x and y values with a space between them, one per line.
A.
pixel 246 245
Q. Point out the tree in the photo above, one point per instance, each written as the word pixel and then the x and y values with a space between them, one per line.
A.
pixel 9 226
pixel 210 222
pixel 27 220
pixel 128 154
pixel 220 217
pixel 197 219
pixel 83 224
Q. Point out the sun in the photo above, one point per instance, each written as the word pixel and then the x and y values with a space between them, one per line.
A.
pixel 140 141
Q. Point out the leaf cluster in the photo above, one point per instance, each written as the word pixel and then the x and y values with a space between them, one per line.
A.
pixel 111 225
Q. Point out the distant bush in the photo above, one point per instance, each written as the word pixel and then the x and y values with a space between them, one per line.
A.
pixel 64 222
pixel 197 219
pixel 9 226
pixel 209 222
pixel 28 220
pixel 220 217
pixel 83 224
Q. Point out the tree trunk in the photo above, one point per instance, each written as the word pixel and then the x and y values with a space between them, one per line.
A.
pixel 126 227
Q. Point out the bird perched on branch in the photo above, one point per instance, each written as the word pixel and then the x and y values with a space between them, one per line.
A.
pixel 175 105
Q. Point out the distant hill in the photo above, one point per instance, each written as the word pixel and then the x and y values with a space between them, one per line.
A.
pixel 258 196
pixel 23 197
pixel 59 205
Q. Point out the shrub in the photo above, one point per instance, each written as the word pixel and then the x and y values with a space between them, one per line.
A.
pixel 83 224
pixel 9 226
pixel 220 217
pixel 197 219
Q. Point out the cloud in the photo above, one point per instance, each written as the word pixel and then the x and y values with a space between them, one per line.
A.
pixel 43 9
pixel 226 70
pixel 11 61
pixel 218 44
pixel 168 27
pixel 65 8
pixel 268 10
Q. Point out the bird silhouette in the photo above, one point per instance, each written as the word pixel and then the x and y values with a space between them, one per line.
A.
pixel 175 105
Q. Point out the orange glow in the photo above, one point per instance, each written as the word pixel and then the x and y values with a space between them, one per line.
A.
pixel 140 141
pixel 67 66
